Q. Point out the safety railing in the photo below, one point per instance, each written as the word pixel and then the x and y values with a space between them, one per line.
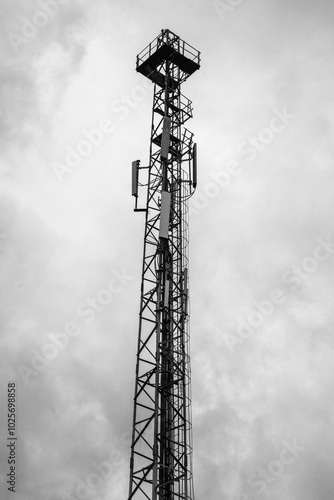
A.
pixel 169 38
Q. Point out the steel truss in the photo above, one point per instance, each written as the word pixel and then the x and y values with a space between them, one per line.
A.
pixel 160 463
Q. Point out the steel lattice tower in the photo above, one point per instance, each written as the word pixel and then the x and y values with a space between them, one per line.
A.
pixel 160 463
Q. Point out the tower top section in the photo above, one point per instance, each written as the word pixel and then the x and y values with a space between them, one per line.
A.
pixel 168 47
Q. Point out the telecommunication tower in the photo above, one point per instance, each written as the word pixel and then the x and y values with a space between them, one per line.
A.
pixel 161 448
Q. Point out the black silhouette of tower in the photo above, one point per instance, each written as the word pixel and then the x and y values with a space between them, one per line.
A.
pixel 161 448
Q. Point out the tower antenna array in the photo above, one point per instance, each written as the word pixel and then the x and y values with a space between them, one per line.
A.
pixel 161 448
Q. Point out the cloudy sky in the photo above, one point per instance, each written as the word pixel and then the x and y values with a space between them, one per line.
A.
pixel 74 114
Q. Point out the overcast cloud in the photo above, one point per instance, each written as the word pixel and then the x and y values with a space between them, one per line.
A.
pixel 262 244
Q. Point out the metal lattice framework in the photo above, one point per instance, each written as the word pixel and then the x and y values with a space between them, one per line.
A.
pixel 160 464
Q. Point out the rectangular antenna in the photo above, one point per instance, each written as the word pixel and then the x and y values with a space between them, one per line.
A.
pixel 135 166
pixel 166 301
pixel 165 138
pixel 185 289
pixel 194 165
pixel 165 214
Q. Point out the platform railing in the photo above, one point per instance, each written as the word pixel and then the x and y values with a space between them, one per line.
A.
pixel 169 38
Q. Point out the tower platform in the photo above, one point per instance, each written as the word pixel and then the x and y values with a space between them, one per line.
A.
pixel 167 46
